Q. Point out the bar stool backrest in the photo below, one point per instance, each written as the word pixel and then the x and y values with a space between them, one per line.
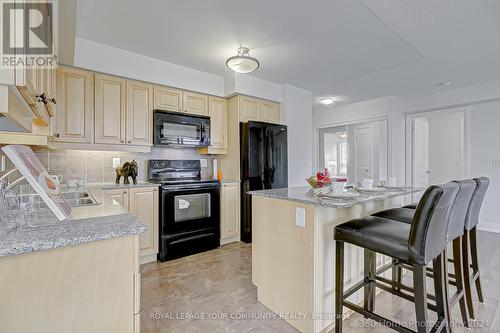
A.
pixel 472 218
pixel 459 209
pixel 430 224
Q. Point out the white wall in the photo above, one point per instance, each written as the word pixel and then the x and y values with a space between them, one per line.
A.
pixel 107 59
pixel 485 122
pixel 388 107
pixel 248 85
pixel 484 104
pixel 298 112
pixel 111 60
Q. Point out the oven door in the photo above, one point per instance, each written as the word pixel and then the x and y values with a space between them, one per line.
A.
pixel 189 207
pixel 174 129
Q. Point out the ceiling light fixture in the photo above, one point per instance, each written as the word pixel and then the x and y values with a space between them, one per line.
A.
pixel 243 62
pixel 445 84
pixel 327 100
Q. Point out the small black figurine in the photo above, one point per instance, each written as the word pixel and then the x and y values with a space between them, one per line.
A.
pixel 129 169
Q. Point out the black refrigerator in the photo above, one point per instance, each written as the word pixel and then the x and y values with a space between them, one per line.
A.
pixel 264 165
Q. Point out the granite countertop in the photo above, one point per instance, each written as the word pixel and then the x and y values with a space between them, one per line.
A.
pixel 304 194
pixel 108 219
pixel 70 232
pixel 114 186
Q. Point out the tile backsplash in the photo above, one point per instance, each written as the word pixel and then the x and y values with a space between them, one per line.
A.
pixel 97 166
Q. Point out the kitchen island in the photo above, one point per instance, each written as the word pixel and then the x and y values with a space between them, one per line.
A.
pixel 293 250
pixel 79 275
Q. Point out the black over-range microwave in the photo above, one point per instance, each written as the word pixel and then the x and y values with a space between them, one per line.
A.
pixel 176 129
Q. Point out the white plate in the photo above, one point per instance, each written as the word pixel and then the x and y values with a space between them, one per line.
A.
pixel 341 195
pixel 397 187
pixel 374 189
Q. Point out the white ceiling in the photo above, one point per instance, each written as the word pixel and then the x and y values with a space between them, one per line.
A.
pixel 347 48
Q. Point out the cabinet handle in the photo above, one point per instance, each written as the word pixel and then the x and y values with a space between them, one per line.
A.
pixel 129 141
pixel 56 135
pixel 124 192
pixel 122 141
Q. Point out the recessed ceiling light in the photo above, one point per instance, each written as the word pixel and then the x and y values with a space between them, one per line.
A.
pixel 327 100
pixel 445 84
pixel 242 62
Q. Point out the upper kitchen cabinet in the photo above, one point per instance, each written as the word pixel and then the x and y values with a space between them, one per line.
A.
pixel 166 98
pixel 75 108
pixel 177 100
pixel 250 109
pixel 32 74
pixel 109 109
pixel 254 109
pixel 217 110
pixel 195 103
pixel 270 112
pixel 109 112
pixel 139 113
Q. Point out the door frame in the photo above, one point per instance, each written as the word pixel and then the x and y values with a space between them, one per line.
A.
pixel 317 133
pixel 355 159
pixel 320 160
pixel 410 144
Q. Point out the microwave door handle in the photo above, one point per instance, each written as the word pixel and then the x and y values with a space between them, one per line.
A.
pixel 202 136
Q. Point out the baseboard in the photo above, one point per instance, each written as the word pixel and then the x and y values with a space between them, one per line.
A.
pixel 489 227
pixel 147 258
pixel 230 240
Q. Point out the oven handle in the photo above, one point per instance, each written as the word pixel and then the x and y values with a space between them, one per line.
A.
pixel 175 188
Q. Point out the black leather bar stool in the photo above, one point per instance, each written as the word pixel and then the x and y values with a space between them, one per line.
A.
pixel 469 244
pixel 469 241
pixel 415 244
pixel 454 234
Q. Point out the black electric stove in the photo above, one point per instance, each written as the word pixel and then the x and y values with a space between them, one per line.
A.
pixel 189 208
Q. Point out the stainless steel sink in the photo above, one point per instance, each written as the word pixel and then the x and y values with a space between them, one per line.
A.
pixel 74 199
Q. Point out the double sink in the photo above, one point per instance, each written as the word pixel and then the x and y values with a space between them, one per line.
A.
pixel 74 199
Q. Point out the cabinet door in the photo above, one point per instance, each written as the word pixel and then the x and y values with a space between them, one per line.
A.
pixel 75 105
pixel 249 109
pixel 195 103
pixel 270 112
pixel 218 122
pixel 230 205
pixel 166 98
pixel 116 198
pixel 109 109
pixel 144 205
pixel 139 113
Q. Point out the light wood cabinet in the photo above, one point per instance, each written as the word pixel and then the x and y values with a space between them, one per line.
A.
pixel 166 98
pixel 116 198
pixel 254 109
pixel 33 82
pixel 90 287
pixel 250 109
pixel 195 103
pixel 139 113
pixel 75 106
pixel 270 112
pixel 218 122
pixel 143 203
pixel 230 213
pixel 217 110
pixel 109 109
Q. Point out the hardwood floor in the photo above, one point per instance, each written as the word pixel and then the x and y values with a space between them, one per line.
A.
pixel 211 291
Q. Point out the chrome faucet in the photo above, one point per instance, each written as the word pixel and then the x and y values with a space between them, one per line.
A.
pixel 6 184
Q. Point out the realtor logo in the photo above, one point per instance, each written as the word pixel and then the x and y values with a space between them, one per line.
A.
pixel 27 34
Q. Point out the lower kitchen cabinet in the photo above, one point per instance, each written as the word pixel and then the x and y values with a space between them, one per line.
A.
pixel 230 213
pixel 143 203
